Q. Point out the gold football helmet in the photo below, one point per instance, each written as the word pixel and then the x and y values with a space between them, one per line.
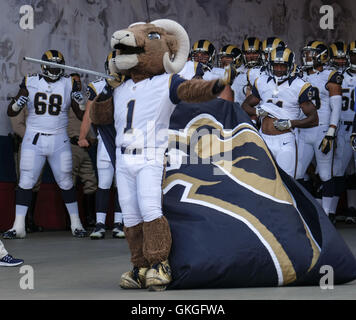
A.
pixel 48 71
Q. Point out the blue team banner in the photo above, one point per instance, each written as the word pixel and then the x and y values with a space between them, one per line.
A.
pixel 237 220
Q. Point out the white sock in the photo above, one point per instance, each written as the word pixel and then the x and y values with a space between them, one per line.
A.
pixel 21 210
pixel 19 223
pixel 118 217
pixel 73 211
pixel 100 217
pixel 72 208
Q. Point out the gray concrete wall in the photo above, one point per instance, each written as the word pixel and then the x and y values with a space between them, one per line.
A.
pixel 81 29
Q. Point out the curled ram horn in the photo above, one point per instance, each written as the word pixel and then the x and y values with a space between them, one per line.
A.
pixel 180 58
pixel 135 24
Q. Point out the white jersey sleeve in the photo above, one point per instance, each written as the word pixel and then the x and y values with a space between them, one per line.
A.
pixel 94 88
pixel 319 81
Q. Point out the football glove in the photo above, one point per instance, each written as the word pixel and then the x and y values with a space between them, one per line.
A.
pixel 282 124
pixel 77 96
pixel 20 103
pixel 353 141
pixel 327 143
pixel 260 112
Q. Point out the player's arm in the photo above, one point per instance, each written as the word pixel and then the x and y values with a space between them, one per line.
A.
pixel 251 102
pixel 335 93
pixel 77 99
pixel 311 120
pixel 309 109
pixel 305 102
pixel 249 86
pixel 86 123
pixel 19 101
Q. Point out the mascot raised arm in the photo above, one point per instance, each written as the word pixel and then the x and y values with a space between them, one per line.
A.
pixel 149 56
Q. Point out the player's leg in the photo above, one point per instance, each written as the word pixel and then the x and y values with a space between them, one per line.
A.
pixel 283 148
pixel 60 162
pixel 90 186
pixel 324 164
pixel 3 251
pixel 105 178
pixel 127 189
pixel 305 154
pixel 342 156
pixel 287 153
pixel 118 230
pixel 31 164
pixel 156 230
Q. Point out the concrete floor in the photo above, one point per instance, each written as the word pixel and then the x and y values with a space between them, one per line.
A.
pixel 69 268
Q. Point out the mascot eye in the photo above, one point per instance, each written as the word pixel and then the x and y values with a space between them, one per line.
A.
pixel 154 36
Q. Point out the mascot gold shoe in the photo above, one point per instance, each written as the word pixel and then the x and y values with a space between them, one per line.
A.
pixel 134 279
pixel 159 276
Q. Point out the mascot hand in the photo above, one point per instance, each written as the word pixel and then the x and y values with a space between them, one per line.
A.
pixel 118 79
pixel 230 74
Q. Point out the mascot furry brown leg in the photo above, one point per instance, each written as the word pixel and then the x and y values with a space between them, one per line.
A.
pixel 149 55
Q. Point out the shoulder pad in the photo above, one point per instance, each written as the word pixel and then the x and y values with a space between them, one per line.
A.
pixel 335 77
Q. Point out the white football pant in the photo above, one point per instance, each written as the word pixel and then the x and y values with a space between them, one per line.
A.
pixel 283 148
pixel 139 184
pixel 56 149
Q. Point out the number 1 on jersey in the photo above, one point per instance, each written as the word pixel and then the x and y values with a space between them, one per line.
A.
pixel 129 116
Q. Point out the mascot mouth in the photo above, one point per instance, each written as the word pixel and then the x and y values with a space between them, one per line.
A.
pixel 124 49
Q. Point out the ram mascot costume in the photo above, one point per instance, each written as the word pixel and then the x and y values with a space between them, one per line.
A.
pixel 231 217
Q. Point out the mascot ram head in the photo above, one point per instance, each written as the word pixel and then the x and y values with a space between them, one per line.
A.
pixel 148 49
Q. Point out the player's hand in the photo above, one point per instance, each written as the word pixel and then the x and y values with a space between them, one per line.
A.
pixel 353 141
pixel 78 97
pixel 22 101
pixel 327 143
pixel 260 112
pixel 118 79
pixel 83 143
pixel 282 124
